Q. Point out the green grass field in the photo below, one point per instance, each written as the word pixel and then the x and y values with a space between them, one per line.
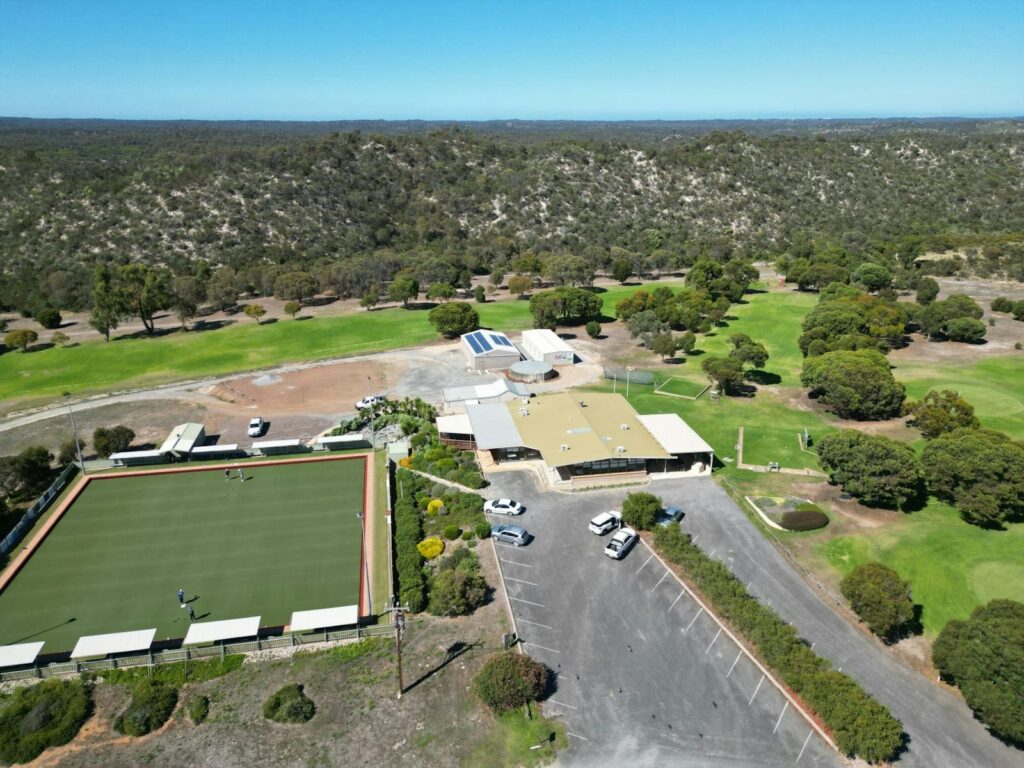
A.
pixel 96 366
pixel 287 539
pixel 682 387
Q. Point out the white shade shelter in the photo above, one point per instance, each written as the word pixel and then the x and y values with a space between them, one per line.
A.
pixel 20 654
pixel 341 616
pixel 115 642
pixel 228 629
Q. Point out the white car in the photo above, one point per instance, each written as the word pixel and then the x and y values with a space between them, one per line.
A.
pixel 503 507
pixel 371 400
pixel 620 543
pixel 256 426
pixel 605 522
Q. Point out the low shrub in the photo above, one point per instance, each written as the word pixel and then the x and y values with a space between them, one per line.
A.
pixel 151 706
pixel 806 517
pixel 483 530
pixel 198 708
pixel 510 680
pixel 861 725
pixel 452 532
pixel 467 535
pixel 431 547
pixel 640 510
pixel 879 596
pixel 434 506
pixel 1002 304
pixel 457 588
pixel 175 674
pixel 40 716
pixel 289 705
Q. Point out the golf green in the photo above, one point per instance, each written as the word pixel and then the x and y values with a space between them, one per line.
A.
pixel 286 539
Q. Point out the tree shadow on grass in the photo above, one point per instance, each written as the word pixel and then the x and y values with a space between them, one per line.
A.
pixel 763 377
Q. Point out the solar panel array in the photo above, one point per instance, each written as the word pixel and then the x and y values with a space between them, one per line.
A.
pixel 482 341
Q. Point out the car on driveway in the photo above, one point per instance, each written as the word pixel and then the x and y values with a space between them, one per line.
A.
pixel 620 543
pixel 256 426
pixel 606 521
pixel 669 515
pixel 503 507
pixel 370 401
pixel 515 535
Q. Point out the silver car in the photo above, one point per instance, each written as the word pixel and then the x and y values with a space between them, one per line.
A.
pixel 515 535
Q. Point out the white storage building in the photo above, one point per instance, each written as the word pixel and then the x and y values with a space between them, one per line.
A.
pixel 489 350
pixel 547 346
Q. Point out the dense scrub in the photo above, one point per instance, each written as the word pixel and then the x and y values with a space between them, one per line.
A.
pixel 151 706
pixel 40 716
pixel 289 705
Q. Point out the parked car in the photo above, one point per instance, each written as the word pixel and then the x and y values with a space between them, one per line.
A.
pixel 515 535
pixel 503 507
pixel 371 400
pixel 256 426
pixel 620 543
pixel 606 521
pixel 669 515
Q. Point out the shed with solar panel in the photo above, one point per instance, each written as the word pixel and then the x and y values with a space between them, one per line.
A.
pixel 489 350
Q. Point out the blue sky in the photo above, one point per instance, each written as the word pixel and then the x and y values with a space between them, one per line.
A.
pixel 313 60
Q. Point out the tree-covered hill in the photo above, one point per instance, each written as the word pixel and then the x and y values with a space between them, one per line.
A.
pixel 275 196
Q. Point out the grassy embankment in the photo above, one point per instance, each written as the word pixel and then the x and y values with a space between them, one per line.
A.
pixel 125 363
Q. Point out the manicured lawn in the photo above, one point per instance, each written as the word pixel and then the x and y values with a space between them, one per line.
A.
pixel 952 567
pixel 129 363
pixel 763 444
pixel 287 539
pixel 684 387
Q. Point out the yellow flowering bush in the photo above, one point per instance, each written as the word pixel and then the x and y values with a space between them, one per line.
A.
pixel 431 548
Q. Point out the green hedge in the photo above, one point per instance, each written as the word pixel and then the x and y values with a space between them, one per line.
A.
pixel 412 585
pixel 39 716
pixel 175 674
pixel 861 726
pixel 152 704
pixel 289 705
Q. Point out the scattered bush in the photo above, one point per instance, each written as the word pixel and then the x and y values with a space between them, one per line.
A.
pixel 593 329
pixel 640 510
pixel 510 680
pixel 452 532
pixel 49 318
pixel 806 517
pixel 483 530
pixel 198 708
pixel 457 588
pixel 467 535
pixel 431 548
pixel 965 329
pixel 1002 304
pixel 152 704
pixel 984 657
pixel 40 716
pixel 861 725
pixel 879 597
pixel 113 440
pixel 289 705
pixel 434 506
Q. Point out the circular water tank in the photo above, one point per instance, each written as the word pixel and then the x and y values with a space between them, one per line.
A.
pixel 531 370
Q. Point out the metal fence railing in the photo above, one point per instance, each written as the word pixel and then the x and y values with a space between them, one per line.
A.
pixel 179 655
pixel 33 513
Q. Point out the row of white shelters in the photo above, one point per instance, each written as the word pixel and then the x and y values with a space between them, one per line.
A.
pixel 274 447
pixel 342 442
pixel 138 458
pixel 322 618
pixel 546 346
pixel 228 629
pixel 496 391
pixel 114 642
pixel 488 350
pixel 228 450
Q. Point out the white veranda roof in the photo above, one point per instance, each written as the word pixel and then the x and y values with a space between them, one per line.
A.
pixel 456 424
pixel 674 434
pixel 342 616
pixel 487 391
pixel 115 642
pixel 228 629
pixel 17 655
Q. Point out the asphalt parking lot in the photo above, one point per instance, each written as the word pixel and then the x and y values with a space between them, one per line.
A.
pixel 644 675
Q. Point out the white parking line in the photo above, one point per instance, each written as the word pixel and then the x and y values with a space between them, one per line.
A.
pixel 734 663
pixel 528 602
pixel 521 581
pixel 804 746
pixel 543 648
pixel 645 564
pixel 534 623
pixel 676 601
pixel 576 736
pixel 712 641
pixel 570 706
pixel 513 562
pixel 696 616
pixel 779 721
pixel 659 581
pixel 755 691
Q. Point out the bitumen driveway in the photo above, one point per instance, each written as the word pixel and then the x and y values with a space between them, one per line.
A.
pixel 685 699
pixel 644 675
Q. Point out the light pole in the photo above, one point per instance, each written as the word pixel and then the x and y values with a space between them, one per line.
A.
pixel 74 430
pixel 366 567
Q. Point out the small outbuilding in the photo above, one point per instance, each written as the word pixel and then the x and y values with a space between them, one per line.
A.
pixel 547 346
pixel 183 439
pixel 489 350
